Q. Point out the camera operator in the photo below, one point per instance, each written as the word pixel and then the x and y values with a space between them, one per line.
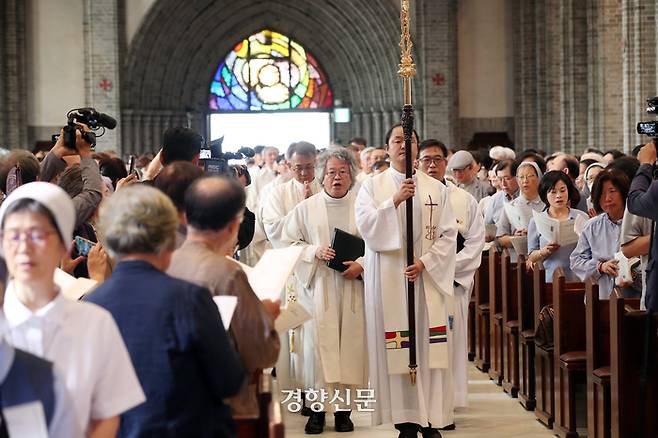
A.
pixel 643 201
pixel 57 161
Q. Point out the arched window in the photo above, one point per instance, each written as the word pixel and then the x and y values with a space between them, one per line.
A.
pixel 267 72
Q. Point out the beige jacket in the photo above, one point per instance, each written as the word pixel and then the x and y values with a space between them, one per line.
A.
pixel 252 327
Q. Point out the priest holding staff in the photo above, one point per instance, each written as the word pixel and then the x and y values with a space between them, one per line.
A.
pixel 333 342
pixel 426 404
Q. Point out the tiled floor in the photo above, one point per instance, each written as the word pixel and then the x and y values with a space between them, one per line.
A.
pixel 491 412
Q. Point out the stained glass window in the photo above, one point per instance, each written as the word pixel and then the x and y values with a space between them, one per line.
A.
pixel 269 71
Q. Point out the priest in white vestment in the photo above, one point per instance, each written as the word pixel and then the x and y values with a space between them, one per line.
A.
pixel 280 201
pixel 334 344
pixel 380 217
pixel 470 226
pixel 266 175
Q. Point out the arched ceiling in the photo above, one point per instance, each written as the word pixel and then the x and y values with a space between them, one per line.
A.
pixel 179 45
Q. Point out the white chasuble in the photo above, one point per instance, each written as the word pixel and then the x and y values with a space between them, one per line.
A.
pixel 383 229
pixel 470 224
pixel 334 344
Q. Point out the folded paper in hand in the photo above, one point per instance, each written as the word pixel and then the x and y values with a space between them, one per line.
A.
pixel 71 287
pixel 293 315
pixel 270 274
pixel 226 305
pixel 625 267
pixel 520 244
pixel 518 215
pixel 561 232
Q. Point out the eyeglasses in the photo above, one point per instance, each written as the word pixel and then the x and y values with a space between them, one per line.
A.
pixel 36 236
pixel 526 177
pixel 427 161
pixel 506 178
pixel 342 173
pixel 301 169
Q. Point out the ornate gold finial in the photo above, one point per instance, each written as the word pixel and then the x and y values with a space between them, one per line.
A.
pixel 406 68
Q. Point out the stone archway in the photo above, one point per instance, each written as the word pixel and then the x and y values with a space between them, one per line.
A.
pixel 172 58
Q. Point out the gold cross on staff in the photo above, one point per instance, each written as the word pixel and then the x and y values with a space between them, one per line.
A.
pixel 431 228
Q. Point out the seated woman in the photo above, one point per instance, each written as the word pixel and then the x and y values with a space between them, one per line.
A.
pixel 594 256
pixel 558 192
pixel 81 339
pixel 172 329
pixel 516 214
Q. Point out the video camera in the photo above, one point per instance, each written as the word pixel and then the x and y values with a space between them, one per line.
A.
pixel 215 162
pixel 88 116
pixel 650 128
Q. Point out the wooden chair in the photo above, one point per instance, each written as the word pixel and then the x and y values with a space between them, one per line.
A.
pixel 496 371
pixel 510 325
pixel 482 324
pixel 627 339
pixel 471 329
pixel 569 351
pixel 544 372
pixel 526 300
pixel 269 422
pixel 597 332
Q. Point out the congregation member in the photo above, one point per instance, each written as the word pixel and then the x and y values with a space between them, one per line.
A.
pixel 173 331
pixel 588 177
pixel 558 193
pixel 37 222
pixel 470 241
pixel 634 241
pixel 594 256
pixel 568 164
pixel 516 215
pixel 509 191
pixel 464 170
pixel 214 207
pixel 334 343
pixel 380 218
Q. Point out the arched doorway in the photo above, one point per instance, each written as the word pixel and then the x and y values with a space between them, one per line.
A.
pixel 269 90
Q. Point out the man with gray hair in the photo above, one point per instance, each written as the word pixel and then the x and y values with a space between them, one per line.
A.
pixel 333 342
pixel 464 169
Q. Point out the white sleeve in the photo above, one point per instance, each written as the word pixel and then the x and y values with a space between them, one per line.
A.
pixel 117 388
pixel 377 224
pixel 469 259
pixel 274 215
pixel 294 232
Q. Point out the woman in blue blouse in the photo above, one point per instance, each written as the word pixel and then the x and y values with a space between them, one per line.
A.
pixel 558 193
pixel 599 240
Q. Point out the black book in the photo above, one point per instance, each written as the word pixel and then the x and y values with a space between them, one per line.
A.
pixel 348 247
pixel 460 242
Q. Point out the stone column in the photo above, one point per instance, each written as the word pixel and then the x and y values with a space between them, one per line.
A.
pixel 356 124
pixel 639 65
pixel 102 65
pixel 437 67
pixel 13 76
pixel 377 134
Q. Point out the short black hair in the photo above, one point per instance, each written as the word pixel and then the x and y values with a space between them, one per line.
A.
pixel 212 202
pixel 387 136
pixel 551 178
pixel 507 164
pixel 433 143
pixel 259 149
pixel 303 148
pixel 174 180
pixel 573 165
pixel 588 162
pixel 616 153
pixel 180 144
pixel 636 150
pixel 113 168
pixel 359 140
pixel 628 165
pixel 538 159
pixel 617 178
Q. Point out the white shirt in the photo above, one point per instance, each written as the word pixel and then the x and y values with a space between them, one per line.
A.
pixel 84 344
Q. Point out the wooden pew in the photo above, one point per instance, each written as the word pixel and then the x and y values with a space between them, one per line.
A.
pixel 471 329
pixel 496 371
pixel 569 350
pixel 544 373
pixel 627 331
pixel 269 422
pixel 598 362
pixel 510 325
pixel 526 309
pixel 482 324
